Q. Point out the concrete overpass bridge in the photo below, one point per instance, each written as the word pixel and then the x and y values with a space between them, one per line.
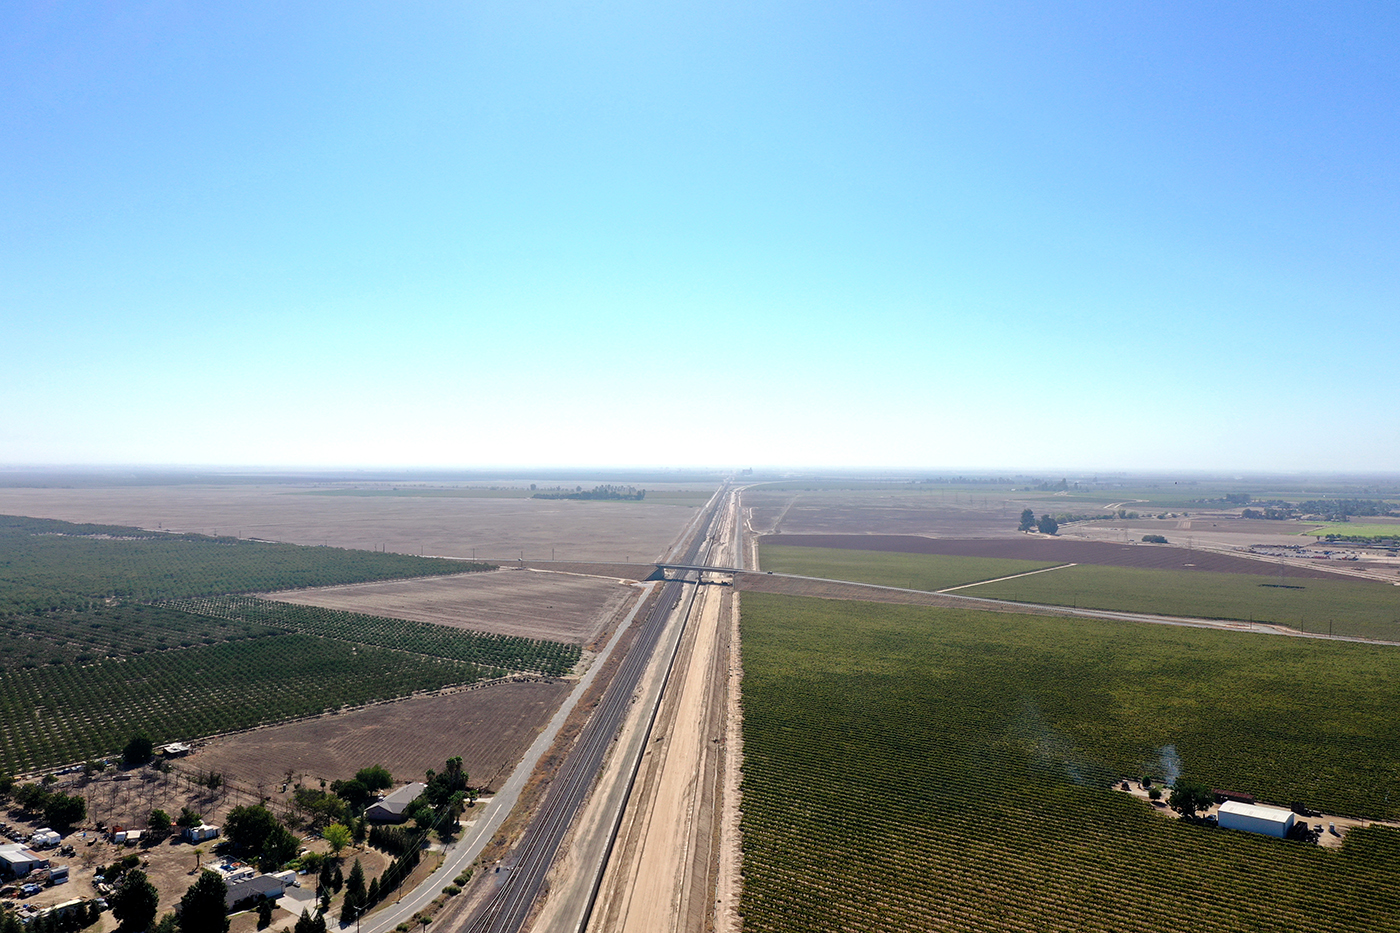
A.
pixel 682 572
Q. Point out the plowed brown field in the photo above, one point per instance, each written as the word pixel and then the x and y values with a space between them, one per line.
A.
pixel 553 606
pixel 1146 556
pixel 490 727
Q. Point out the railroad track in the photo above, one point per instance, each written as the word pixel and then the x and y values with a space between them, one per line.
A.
pixel 507 909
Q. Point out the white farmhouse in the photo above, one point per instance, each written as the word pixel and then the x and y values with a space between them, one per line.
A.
pixel 1252 818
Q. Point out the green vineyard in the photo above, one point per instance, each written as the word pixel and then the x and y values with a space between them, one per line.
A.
pixel 919 769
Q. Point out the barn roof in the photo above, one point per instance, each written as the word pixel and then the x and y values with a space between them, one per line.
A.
pixel 1255 811
pixel 397 802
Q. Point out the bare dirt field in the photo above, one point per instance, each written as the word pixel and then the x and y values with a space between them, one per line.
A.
pixel 905 513
pixel 534 604
pixel 490 727
pixel 487 528
pixel 1060 550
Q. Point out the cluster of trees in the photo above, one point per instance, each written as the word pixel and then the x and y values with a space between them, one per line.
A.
pixel 607 492
pixel 1271 513
pixel 360 790
pixel 60 810
pixel 1340 510
pixel 254 832
pixel 136 901
pixel 1046 524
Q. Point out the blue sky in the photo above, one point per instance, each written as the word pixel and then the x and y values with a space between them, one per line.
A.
pixel 1110 236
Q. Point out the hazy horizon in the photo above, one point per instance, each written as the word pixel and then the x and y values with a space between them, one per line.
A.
pixel 852 237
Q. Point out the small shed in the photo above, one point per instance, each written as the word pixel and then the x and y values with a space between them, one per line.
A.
pixel 394 808
pixel 1253 818
pixel 200 833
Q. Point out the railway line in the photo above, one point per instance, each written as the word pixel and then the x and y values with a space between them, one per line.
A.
pixel 507 909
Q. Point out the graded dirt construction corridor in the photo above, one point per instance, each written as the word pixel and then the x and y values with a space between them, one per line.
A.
pixel 664 868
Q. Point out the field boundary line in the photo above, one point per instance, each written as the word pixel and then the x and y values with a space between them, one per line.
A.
pixel 1014 576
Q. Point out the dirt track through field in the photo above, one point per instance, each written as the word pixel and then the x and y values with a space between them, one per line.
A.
pixel 1058 550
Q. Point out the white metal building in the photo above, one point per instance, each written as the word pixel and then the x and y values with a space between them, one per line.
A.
pixel 18 860
pixel 1252 818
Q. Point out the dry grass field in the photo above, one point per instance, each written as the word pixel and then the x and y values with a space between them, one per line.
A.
pixel 898 512
pixel 490 727
pixel 496 528
pixel 1054 550
pixel 554 606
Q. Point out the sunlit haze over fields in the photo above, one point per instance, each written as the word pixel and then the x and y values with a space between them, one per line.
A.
pixel 734 234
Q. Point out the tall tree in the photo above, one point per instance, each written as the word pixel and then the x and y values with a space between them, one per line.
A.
pixel 138 751
pixel 337 837
pixel 376 777
pixel 1188 797
pixel 354 894
pixel 1027 520
pixel 134 902
pixel 203 908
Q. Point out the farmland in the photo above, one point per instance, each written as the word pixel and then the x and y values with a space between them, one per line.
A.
pixel 917 768
pixel 559 606
pixel 110 630
pixel 1343 607
pixel 1048 550
pixel 1304 598
pixel 1354 530
pixel 488 726
pixel 62 713
pixel 462 527
pixel 51 564
pixel 497 653
pixel 912 571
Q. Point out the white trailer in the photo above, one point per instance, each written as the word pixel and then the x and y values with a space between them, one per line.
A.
pixel 1252 818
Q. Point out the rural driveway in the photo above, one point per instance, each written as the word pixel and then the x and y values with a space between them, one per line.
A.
pixel 459 855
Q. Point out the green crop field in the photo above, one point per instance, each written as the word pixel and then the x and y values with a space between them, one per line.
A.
pixel 1353 530
pixel 107 630
pixel 910 768
pixel 47 565
pixel 53 715
pixel 1348 607
pixel 501 652
pixel 912 571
